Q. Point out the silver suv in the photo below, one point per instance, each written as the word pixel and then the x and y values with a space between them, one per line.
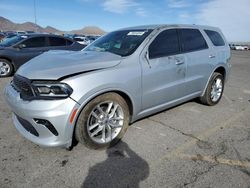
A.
pixel 93 95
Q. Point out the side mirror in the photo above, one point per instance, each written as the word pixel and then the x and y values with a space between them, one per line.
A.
pixel 20 46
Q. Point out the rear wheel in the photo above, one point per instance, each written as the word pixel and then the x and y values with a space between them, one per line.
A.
pixel 214 90
pixel 103 121
pixel 6 68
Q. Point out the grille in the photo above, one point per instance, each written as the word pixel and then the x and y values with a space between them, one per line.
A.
pixel 23 85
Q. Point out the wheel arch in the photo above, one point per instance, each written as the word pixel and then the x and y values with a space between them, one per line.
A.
pixel 10 60
pixel 220 69
pixel 127 97
pixel 122 93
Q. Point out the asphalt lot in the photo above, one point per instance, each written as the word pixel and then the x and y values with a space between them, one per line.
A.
pixel 190 145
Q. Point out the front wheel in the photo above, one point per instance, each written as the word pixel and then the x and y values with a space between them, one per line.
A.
pixel 103 121
pixel 214 90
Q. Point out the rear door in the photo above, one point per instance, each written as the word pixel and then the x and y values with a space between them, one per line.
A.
pixel 221 50
pixel 198 59
pixel 163 70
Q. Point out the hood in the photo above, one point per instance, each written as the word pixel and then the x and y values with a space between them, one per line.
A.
pixel 56 64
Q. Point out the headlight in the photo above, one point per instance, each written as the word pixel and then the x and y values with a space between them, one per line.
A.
pixel 51 89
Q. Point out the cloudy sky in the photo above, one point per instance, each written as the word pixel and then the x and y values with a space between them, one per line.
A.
pixel 232 16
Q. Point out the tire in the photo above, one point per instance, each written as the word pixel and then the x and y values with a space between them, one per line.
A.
pixel 210 98
pixel 6 68
pixel 103 121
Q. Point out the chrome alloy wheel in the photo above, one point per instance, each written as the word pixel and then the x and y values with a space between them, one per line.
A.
pixel 105 122
pixel 4 68
pixel 216 89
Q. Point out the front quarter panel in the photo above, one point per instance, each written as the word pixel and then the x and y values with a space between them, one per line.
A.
pixel 125 77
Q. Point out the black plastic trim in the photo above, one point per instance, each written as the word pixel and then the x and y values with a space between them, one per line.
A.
pixel 28 126
pixel 47 124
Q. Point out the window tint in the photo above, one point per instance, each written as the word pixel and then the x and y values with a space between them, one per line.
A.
pixel 34 42
pixel 69 42
pixel 9 41
pixel 57 41
pixel 165 44
pixel 215 37
pixel 192 40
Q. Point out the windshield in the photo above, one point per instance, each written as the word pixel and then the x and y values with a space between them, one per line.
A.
pixel 122 43
pixel 7 42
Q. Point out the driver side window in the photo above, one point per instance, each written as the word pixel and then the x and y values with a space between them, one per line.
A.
pixel 165 44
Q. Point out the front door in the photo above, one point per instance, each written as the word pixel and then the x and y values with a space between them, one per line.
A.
pixel 163 70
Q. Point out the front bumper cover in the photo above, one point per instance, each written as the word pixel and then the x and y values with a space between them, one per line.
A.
pixel 57 112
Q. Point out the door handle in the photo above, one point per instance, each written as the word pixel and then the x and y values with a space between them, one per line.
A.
pixel 211 56
pixel 179 62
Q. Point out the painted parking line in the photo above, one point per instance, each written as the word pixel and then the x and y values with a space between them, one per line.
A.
pixel 182 148
pixel 217 160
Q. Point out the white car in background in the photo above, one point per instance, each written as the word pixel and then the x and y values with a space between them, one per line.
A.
pixel 241 47
pixel 82 40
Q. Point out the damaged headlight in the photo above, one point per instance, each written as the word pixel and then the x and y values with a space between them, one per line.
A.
pixel 51 89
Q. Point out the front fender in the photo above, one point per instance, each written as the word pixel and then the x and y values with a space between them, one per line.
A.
pixel 93 94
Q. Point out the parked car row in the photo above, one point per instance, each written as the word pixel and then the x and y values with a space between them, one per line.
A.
pixel 239 47
pixel 18 49
pixel 83 39
pixel 4 34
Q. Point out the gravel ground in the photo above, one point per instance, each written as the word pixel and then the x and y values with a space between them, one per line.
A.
pixel 190 145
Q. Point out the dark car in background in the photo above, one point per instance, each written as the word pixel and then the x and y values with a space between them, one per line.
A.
pixel 2 35
pixel 17 50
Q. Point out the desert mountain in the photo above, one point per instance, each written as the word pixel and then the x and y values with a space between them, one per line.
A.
pixel 89 30
pixel 7 25
pixel 50 29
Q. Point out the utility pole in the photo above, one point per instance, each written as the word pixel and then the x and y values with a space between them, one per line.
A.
pixel 35 14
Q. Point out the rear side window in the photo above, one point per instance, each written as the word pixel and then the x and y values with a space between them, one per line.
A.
pixel 192 40
pixel 165 44
pixel 34 42
pixel 56 41
pixel 215 37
